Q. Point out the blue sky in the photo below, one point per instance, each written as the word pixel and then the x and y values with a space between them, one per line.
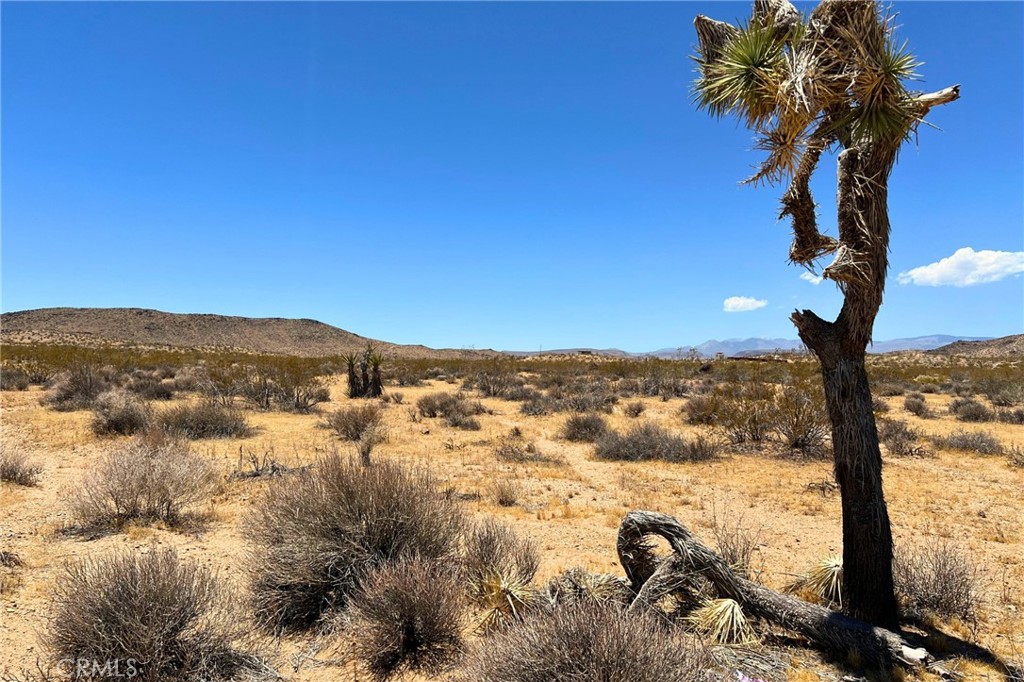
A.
pixel 506 175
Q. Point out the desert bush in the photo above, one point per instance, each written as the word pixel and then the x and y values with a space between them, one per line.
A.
pixel 702 409
pixel 915 404
pixel 970 410
pixel 900 439
pixel 455 408
pixel 395 397
pixel 879 406
pixel 634 409
pixel 512 449
pixel 736 543
pixel 499 567
pixel 150 386
pixel 16 468
pixel 506 491
pixel 160 617
pixel 150 478
pixel 1004 393
pixel 318 534
pixel 538 406
pixel 800 419
pixel 205 419
pixel 584 428
pixel 76 388
pixel 652 442
pixel 940 578
pixel 351 423
pixel 496 382
pixel 409 618
pixel 1015 455
pixel 13 379
pixel 1010 416
pixel 586 641
pixel 118 412
pixel 748 417
pixel 971 441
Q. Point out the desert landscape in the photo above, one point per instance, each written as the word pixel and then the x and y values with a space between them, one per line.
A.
pixel 558 449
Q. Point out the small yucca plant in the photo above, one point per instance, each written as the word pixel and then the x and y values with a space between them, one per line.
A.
pixel 824 581
pixel 723 621
pixel 504 599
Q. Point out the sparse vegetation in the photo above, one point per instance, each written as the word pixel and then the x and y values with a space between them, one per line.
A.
pixel 652 442
pixel 351 423
pixel 634 409
pixel 939 578
pixel 901 439
pixel 584 428
pixel 970 410
pixel 16 468
pixel 317 535
pixel 204 419
pixel 120 413
pixel 977 442
pixel 457 410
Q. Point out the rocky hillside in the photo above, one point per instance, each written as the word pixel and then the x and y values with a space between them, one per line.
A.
pixel 1005 346
pixel 152 328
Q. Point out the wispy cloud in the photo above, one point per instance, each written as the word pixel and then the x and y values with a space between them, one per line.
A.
pixel 965 268
pixel 810 277
pixel 742 304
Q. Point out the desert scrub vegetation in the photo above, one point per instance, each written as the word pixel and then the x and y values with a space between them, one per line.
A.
pixel 799 418
pixel 120 413
pixel 204 419
pixel 407 617
pixel 634 409
pixel 970 410
pixel 317 535
pixel 938 578
pixel 584 428
pixel 587 641
pixel 455 408
pixel 365 373
pixel 352 423
pixel 649 441
pixel 165 617
pixel 499 567
pixel 16 468
pixel 515 449
pixel 13 379
pixel 978 442
pixel 76 388
pixel 901 439
pixel 914 403
pixel 147 479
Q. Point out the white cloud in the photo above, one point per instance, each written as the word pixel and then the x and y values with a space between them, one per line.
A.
pixel 810 277
pixel 742 304
pixel 965 268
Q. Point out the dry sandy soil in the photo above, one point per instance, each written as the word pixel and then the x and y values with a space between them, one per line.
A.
pixel 571 510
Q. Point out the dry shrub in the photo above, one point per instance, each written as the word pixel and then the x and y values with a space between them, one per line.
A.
pixel 970 410
pixel 703 409
pixel 205 419
pixel 634 409
pixel 575 585
pixel 16 468
pixel 76 388
pixel 940 578
pixel 318 534
pixel 800 418
pixel 736 543
pixel 119 413
pixel 351 423
pixel 649 441
pixel 515 450
pixel 915 404
pixel 457 411
pixel 499 567
pixel 1015 456
pixel 971 441
pixel 151 386
pixel 1011 415
pixel 13 379
pixel 408 617
pixel 160 617
pixel 150 478
pixel 507 491
pixel 584 428
pixel 585 642
pixel 901 439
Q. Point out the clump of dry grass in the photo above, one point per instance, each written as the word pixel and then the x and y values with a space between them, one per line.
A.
pixel 120 413
pixel 506 491
pixel 584 428
pixel 971 441
pixel 16 468
pixel 722 621
pixel 634 409
pixel 587 641
pixel 205 419
pixel 162 618
pixel 516 450
pixel 499 567
pixel 317 535
pixel 150 478
pixel 649 441
pixel 408 617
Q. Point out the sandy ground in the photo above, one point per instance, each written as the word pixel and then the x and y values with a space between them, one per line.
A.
pixel 571 509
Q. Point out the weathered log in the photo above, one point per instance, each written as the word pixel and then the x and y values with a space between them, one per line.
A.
pixel 830 631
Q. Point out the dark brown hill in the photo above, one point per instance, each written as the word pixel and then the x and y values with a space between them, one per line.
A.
pixel 152 328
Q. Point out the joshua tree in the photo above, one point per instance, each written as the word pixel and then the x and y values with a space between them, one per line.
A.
pixel 364 373
pixel 835 81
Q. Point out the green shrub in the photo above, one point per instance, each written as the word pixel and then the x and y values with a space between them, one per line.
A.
pixel 317 535
pixel 799 418
pixel 205 419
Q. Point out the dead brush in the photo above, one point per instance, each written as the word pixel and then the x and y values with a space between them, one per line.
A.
pixel 939 578
pixel 408 617
pixel 120 413
pixel 167 614
pixel 575 585
pixel 16 468
pixel 350 423
pixel 823 583
pixel 723 622
pixel 499 567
